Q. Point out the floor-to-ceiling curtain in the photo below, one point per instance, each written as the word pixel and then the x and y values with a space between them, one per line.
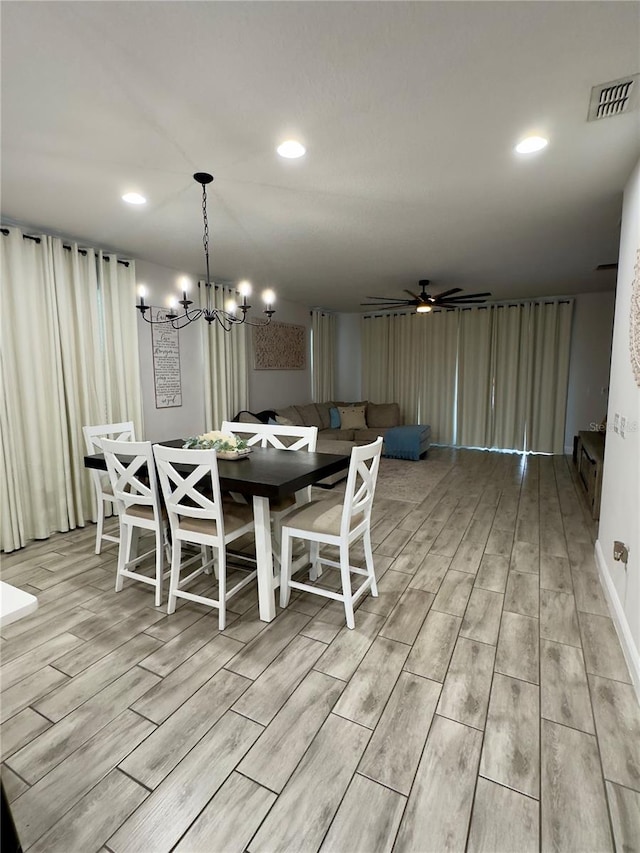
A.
pixel 510 365
pixel 475 379
pixel 494 376
pixel 437 354
pixel 391 366
pixel 323 332
pixel 117 291
pixel 226 362
pixel 54 380
pixel 550 343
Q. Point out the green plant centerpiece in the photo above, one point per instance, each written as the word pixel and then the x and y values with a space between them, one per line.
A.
pixel 216 440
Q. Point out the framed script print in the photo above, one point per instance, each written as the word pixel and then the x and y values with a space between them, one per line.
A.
pixel 280 346
pixel 167 378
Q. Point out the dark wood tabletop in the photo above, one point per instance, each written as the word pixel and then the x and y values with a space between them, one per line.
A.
pixel 268 473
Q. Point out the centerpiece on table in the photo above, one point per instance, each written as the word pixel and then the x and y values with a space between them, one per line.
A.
pixel 226 446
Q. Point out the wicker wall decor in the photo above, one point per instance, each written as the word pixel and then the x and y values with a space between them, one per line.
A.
pixel 280 346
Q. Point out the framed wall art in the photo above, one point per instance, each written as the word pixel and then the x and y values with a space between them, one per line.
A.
pixel 167 377
pixel 280 346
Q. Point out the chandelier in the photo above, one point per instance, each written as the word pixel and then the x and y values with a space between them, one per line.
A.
pixel 231 315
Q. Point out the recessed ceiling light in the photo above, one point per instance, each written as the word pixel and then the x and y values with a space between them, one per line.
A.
pixel 134 198
pixel 531 143
pixel 291 149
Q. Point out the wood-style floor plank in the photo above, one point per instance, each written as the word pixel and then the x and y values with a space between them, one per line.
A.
pixel 90 822
pixel 564 692
pixel 503 821
pixel 366 695
pixel 163 818
pixel 573 803
pixel 154 759
pixel 518 652
pixel 394 750
pixel 465 694
pixel 434 645
pixel 39 808
pixel 482 617
pixel 230 819
pixel 407 617
pixel 367 819
pixel 304 810
pixel 344 654
pixel 439 805
pixel 511 749
pixel 602 653
pixel 624 807
pixel 291 731
pixel 617 717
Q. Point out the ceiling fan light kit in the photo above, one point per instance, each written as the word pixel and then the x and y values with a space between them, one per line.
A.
pixel 425 302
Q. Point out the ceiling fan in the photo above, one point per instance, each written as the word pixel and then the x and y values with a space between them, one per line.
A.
pixel 426 302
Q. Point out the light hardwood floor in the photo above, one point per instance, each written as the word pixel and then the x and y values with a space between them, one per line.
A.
pixel 481 703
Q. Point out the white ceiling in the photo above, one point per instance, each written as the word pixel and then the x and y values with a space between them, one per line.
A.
pixel 409 111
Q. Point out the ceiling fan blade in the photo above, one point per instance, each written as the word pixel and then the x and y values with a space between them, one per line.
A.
pixel 414 295
pixel 466 296
pixel 387 304
pixel 447 293
pixel 385 299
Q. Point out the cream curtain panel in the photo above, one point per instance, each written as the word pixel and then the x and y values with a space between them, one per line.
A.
pixel 475 378
pixel 226 363
pixel 548 375
pixel 55 379
pixel 494 376
pixel 438 359
pixel 391 368
pixel 323 331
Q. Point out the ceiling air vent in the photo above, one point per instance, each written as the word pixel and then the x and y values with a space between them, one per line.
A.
pixel 614 98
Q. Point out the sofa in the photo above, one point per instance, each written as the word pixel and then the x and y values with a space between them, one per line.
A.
pixel 341 425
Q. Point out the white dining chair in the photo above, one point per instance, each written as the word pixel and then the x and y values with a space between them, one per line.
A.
pixel 280 438
pixel 132 473
pixel 339 523
pixel 198 515
pixel 93 436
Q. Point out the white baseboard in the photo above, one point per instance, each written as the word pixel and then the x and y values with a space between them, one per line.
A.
pixel 632 656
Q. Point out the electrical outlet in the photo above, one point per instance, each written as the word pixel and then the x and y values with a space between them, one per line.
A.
pixel 620 552
pixel 623 425
pixel 616 422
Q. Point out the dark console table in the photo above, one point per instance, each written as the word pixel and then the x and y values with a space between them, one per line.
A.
pixel 589 462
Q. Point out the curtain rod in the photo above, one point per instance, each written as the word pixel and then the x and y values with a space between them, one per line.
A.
pixel 543 300
pixel 82 252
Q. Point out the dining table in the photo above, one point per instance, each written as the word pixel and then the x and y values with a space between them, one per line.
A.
pixel 263 475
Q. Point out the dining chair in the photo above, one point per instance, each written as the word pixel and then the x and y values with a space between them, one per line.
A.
pixel 93 436
pixel 281 438
pixel 132 473
pixel 198 515
pixel 339 523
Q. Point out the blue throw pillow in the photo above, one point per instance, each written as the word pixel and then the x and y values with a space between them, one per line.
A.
pixel 334 416
pixel 273 421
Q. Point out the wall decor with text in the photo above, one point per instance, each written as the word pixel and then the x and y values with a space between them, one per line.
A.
pixel 280 346
pixel 165 343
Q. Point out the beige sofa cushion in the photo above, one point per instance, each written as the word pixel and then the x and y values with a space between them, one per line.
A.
pixel 365 436
pixel 336 434
pixel 325 417
pixel 291 414
pixel 352 417
pixel 310 415
pixel 383 415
